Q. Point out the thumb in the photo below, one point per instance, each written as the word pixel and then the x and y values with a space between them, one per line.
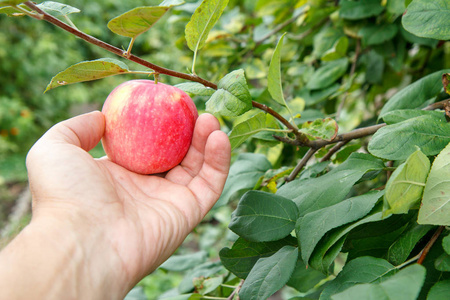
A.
pixel 84 131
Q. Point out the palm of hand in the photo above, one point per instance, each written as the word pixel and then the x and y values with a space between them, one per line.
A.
pixel 143 218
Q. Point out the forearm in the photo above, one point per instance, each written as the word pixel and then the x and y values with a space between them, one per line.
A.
pixel 47 261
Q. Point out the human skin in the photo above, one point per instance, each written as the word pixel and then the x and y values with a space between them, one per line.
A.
pixel 97 228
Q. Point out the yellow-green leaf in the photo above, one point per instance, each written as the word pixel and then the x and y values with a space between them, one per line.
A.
pixel 320 129
pixel 274 77
pixel 242 131
pixel 405 187
pixel 87 71
pixel 202 21
pixel 435 209
pixel 57 9
pixel 137 21
pixel 10 2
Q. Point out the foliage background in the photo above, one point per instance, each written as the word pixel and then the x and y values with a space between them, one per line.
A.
pixel 36 51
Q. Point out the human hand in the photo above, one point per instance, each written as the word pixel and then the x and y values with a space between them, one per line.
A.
pixel 125 224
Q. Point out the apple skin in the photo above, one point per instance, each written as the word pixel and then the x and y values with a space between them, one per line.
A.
pixel 148 127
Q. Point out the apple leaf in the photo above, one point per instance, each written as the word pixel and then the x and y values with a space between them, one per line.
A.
pixel 232 98
pixel 57 9
pixel 274 76
pixel 10 2
pixel 445 82
pixel 398 141
pixel 439 291
pixel 435 207
pixel 202 21
pixel 87 71
pixel 269 274
pixel 405 187
pixel 356 10
pixel 327 74
pixel 320 129
pixel 446 244
pixel 428 19
pixel 263 217
pixel 405 285
pixel 137 21
pixel 195 88
pixel 242 131
pixel 13 12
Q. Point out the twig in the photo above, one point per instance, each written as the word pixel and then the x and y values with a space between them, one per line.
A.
pixel 389 164
pixel 236 290
pixel 429 245
pixel 437 105
pixel 334 150
pixel 276 115
pixel 352 71
pixel 301 164
pixel 278 28
pixel 90 39
pixel 355 134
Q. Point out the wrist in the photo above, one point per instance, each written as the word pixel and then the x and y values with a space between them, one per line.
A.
pixel 62 262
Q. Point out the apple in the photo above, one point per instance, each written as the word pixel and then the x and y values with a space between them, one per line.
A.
pixel 149 126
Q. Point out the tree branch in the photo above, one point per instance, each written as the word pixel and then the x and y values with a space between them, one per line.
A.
pixel 430 244
pixel 301 164
pixel 334 150
pixel 90 39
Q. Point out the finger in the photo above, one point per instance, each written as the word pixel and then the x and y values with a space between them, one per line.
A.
pixel 208 185
pixel 84 131
pixel 193 161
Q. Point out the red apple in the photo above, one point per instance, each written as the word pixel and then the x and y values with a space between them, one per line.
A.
pixel 149 126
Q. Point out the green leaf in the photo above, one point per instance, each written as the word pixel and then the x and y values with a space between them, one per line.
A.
pixel 375 34
pixel 338 50
pixel 439 291
pixel 326 41
pixel 446 244
pixel 400 115
pixel 415 94
pixel 326 129
pixel 330 245
pixel 356 10
pixel 405 285
pixel 244 173
pixel 269 274
pixel 303 278
pixel 263 217
pixel 359 270
pixel 13 12
pixel 10 2
pixel 241 258
pixel 327 74
pixel 428 19
pixel 57 9
pixel 274 76
pixel 195 88
pixel 137 21
pixel 442 263
pixel 400 250
pixel 206 269
pixel 313 226
pixel 316 193
pixel 435 207
pixel 398 141
pixel 185 262
pixel 242 131
pixel 87 71
pixel 445 82
pixel 405 187
pixel 202 21
pixel 232 97
pixel 206 286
